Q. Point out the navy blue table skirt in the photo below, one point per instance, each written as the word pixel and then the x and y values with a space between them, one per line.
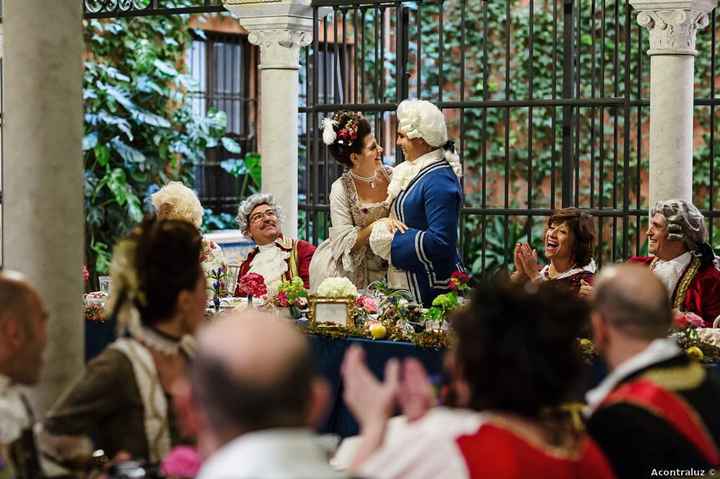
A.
pixel 328 354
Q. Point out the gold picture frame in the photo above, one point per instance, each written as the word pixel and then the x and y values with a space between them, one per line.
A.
pixel 331 311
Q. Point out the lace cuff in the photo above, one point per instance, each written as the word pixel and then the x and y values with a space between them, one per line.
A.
pixel 381 240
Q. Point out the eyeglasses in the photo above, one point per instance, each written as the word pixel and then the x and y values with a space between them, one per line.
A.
pixel 271 213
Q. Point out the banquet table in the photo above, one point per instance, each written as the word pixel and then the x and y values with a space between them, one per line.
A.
pixel 328 354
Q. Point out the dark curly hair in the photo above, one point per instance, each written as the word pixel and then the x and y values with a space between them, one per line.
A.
pixel 341 151
pixel 168 262
pixel 582 229
pixel 516 346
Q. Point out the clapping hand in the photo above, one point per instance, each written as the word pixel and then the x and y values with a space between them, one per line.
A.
pixel 416 395
pixel 370 401
pixel 526 261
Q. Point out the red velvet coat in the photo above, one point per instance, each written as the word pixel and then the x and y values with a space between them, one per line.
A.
pixel 702 295
pixel 301 253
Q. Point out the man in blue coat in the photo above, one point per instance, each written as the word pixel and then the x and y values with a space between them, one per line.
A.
pixel 425 194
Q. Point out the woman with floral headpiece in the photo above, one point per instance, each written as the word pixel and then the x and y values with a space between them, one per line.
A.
pixel 425 194
pixel 123 400
pixel 356 203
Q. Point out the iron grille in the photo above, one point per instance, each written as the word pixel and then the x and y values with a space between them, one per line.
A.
pixel 548 101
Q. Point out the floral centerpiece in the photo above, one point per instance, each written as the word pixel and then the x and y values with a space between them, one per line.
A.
pixel 95 306
pixel 444 304
pixel 252 285
pixel 217 276
pixel 292 295
pixel 690 334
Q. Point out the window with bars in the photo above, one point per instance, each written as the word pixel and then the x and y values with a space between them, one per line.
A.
pixel 220 65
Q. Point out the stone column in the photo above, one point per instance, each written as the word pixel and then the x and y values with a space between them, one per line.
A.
pixel 279 28
pixel 672 25
pixel 43 173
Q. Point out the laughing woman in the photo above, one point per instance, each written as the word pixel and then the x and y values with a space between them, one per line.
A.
pixel 356 203
pixel 569 243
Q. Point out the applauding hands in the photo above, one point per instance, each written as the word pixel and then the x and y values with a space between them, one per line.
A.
pixel 372 402
pixel 526 263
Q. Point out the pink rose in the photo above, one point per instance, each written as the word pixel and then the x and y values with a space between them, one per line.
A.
pixel 367 303
pixel 182 461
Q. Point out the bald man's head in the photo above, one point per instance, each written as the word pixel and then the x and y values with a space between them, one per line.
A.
pixel 16 296
pixel 252 371
pixel 633 300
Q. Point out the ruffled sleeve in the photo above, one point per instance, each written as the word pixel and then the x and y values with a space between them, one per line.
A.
pixel 381 240
pixel 343 232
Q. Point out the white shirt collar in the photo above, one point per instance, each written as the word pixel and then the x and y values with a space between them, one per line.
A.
pixel 270 453
pixel 669 272
pixel 13 413
pixel 658 351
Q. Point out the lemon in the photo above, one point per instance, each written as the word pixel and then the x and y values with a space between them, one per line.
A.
pixel 378 331
pixel 695 353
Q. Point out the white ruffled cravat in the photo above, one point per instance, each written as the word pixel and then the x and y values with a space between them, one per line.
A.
pixel 271 263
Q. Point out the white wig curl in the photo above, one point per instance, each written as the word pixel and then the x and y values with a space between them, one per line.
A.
pixel 684 222
pixel 176 201
pixel 249 204
pixel 422 119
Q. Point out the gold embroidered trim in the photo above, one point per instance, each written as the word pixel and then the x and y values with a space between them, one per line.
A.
pixel 677 378
pixel 571 451
pixel 684 283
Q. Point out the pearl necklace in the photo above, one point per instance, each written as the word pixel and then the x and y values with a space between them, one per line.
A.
pixel 365 179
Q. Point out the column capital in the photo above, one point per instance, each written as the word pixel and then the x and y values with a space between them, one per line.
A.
pixel 673 24
pixel 279 28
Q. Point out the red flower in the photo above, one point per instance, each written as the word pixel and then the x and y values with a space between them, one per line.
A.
pixel 687 319
pixel 283 299
pixel 458 280
pixel 252 284
pixel 85 273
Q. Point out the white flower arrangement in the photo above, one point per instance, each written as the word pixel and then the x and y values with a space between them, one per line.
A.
pixel 337 287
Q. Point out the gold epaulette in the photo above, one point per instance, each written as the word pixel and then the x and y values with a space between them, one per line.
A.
pixel 677 378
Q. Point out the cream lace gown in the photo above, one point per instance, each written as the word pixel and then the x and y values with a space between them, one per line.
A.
pixel 334 256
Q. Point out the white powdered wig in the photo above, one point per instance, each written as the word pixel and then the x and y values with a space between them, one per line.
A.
pixel 684 221
pixel 422 119
pixel 250 203
pixel 176 201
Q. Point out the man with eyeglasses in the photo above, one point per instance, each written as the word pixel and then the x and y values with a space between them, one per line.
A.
pixel 275 257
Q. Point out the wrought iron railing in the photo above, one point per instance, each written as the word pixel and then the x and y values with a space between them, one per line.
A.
pixel 548 101
pixel 130 8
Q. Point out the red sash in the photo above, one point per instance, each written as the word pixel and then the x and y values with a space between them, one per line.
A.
pixel 669 407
